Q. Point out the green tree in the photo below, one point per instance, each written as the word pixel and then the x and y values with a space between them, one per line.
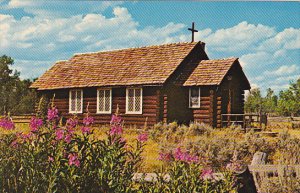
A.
pixel 289 100
pixel 16 97
pixel 253 102
pixel 270 101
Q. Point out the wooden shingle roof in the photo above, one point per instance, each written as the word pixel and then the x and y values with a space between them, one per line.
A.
pixel 150 65
pixel 210 72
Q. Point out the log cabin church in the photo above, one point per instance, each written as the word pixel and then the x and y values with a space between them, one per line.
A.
pixel 163 83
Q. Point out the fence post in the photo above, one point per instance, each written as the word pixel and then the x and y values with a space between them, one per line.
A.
pixel 259 158
pixel 245 179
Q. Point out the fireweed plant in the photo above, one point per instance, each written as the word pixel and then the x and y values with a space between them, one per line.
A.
pixel 56 157
pixel 186 174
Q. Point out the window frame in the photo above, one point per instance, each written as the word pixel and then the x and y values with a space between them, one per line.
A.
pixel 110 106
pixel 141 101
pixel 70 101
pixel 199 98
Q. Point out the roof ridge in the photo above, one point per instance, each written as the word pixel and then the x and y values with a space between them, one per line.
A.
pixel 61 61
pixel 133 48
pixel 225 58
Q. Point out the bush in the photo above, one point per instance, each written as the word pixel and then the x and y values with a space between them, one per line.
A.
pixel 56 158
pixel 68 158
pixel 186 174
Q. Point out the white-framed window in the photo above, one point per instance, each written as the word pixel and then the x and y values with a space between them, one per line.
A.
pixel 75 101
pixel 104 100
pixel 194 97
pixel 134 100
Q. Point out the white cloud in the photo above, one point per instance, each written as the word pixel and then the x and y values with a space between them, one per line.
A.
pixel 287 39
pixel 53 9
pixel 257 59
pixel 283 70
pixel 21 3
pixel 41 38
pixel 26 67
pixel 241 36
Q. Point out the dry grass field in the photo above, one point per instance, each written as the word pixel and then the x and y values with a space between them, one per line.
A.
pixel 182 136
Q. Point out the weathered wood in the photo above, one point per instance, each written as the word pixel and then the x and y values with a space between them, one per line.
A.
pixel 150 105
pixel 259 158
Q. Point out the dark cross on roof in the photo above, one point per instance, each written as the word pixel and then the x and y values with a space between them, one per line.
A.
pixel 193 30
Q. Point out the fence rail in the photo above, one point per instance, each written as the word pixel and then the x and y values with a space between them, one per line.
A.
pixel 20 118
pixel 246 120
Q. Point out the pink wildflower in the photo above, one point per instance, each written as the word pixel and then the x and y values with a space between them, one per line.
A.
pixel 50 159
pixel 165 156
pixel 86 130
pixel 116 126
pixel 122 140
pixel 185 156
pixel 207 174
pixel 116 130
pixel 35 124
pixel 87 121
pixel 143 137
pixel 6 123
pixel 68 138
pixel 179 155
pixel 14 144
pixel 71 123
pixel 59 134
pixel 234 166
pixel 73 159
pixel 115 120
pixel 52 114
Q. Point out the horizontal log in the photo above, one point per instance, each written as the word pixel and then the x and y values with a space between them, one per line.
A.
pixel 201 116
pixel 203 103
pixel 201 111
pixel 205 98
pixel 203 107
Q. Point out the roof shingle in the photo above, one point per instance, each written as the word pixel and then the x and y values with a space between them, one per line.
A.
pixel 210 72
pixel 135 66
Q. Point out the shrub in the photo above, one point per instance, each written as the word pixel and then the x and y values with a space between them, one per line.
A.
pixel 53 157
pixel 200 129
pixel 186 174
pixel 56 158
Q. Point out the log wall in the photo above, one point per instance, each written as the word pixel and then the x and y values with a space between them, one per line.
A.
pixel 151 103
pixel 206 113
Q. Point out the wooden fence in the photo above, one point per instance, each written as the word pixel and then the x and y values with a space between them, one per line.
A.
pixel 245 120
pixel 20 119
pixel 262 172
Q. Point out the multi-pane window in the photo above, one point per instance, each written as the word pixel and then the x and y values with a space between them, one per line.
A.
pixel 134 100
pixel 75 101
pixel 194 97
pixel 104 99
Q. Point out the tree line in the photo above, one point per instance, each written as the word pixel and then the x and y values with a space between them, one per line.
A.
pixel 286 103
pixel 15 95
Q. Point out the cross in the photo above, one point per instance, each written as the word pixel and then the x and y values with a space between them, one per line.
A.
pixel 193 30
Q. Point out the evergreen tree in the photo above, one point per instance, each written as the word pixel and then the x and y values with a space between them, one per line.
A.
pixel 16 97
pixel 253 102
pixel 289 100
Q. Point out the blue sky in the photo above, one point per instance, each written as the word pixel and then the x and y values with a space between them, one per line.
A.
pixel 264 35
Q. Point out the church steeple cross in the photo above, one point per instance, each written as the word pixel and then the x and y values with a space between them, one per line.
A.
pixel 193 30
